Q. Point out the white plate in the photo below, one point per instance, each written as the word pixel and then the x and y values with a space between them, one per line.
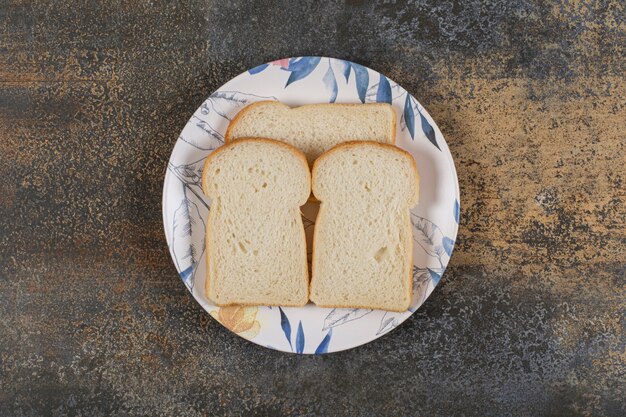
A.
pixel 298 81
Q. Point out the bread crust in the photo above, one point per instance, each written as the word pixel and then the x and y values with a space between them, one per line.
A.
pixel 297 152
pixel 300 155
pixel 412 202
pixel 245 110
pixel 358 143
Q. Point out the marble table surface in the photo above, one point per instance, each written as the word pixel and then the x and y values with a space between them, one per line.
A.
pixel 529 318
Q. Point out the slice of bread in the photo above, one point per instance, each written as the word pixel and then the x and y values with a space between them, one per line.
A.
pixel 315 128
pixel 255 246
pixel 363 241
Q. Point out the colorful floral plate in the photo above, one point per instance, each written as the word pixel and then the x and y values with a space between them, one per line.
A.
pixel 298 81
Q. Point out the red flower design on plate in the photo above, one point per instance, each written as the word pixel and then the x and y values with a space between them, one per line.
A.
pixel 283 63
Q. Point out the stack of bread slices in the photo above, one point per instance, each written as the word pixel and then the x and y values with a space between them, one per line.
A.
pixel 277 158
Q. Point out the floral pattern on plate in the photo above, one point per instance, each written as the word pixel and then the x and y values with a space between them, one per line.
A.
pixel 297 81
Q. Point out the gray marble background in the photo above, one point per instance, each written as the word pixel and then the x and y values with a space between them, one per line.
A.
pixel 528 319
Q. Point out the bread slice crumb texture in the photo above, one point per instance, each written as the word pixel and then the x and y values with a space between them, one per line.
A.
pixel 315 128
pixel 362 254
pixel 256 253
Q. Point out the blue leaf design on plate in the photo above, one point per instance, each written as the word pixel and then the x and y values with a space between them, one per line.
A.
pixel 331 84
pixel 421 279
pixel 214 116
pixel 435 276
pixel 362 80
pixel 420 276
pixel 188 237
pixel 388 322
pixel 285 325
pixel 301 68
pixel 207 139
pixel 296 64
pixel 323 346
pixel 189 173
pixel 344 67
pixel 210 130
pixel 186 275
pixel 429 131
pixel 409 116
pixel 457 209
pixel 339 316
pixel 428 235
pixel 300 339
pixel 448 244
pixel 383 95
pixel 258 69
